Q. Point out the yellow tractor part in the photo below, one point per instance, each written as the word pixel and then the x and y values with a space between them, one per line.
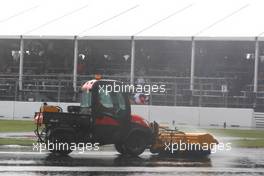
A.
pixel 50 108
pixel 176 142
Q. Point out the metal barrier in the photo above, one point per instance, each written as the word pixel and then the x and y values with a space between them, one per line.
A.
pixel 207 92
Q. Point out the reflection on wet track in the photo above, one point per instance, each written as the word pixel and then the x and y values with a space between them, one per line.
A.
pixel 235 162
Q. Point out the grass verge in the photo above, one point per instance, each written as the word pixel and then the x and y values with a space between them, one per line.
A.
pixel 237 133
pixel 16 141
pixel 246 138
pixel 16 126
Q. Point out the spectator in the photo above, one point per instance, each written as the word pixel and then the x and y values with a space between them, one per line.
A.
pixel 141 99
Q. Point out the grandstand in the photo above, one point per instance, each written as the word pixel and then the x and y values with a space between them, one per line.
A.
pixel 223 74
pixel 208 54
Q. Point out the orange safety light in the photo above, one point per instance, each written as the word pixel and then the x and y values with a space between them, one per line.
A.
pixel 98 76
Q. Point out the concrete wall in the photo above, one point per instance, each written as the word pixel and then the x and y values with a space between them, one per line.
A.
pixel 181 115
pixel 18 110
pixel 197 115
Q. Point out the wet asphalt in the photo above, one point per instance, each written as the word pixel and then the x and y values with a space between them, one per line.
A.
pixel 23 161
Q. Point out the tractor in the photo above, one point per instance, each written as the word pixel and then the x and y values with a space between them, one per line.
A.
pixel 105 117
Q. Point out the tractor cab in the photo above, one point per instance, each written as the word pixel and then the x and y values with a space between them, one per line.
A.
pixel 110 110
pixel 98 99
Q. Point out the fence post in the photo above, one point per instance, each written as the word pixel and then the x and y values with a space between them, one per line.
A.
pixel 132 71
pixel 200 94
pixel 175 95
pixel 75 63
pixel 21 63
pixel 256 65
pixel 59 91
pixel 192 64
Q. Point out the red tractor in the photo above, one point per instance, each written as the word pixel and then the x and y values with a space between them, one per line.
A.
pixel 102 117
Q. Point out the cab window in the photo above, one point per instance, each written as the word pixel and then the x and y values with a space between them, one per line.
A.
pixel 105 99
pixel 119 101
pixel 111 103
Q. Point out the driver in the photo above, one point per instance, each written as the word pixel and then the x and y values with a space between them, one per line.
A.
pixel 100 105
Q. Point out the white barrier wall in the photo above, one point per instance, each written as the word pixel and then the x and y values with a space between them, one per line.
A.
pixel 197 115
pixel 18 110
pixel 181 115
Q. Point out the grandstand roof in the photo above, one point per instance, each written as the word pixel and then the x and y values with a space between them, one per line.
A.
pixel 144 19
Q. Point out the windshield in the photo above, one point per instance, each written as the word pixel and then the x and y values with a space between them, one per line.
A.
pixel 86 99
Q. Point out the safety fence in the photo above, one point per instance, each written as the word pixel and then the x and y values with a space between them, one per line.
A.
pixel 206 92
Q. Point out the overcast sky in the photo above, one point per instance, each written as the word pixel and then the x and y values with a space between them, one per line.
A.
pixel 223 18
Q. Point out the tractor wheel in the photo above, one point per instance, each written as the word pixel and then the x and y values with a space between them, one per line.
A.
pixel 135 144
pixel 120 148
pixel 60 142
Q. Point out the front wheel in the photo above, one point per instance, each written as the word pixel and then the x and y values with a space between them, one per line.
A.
pixel 135 144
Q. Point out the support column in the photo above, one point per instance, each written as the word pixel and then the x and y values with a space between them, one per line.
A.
pixel 192 64
pixel 21 61
pixel 132 71
pixel 256 65
pixel 75 62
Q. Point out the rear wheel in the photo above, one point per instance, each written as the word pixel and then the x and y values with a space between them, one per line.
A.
pixel 135 144
pixel 60 142
pixel 120 148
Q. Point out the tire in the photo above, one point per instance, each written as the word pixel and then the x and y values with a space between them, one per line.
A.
pixel 61 141
pixel 120 148
pixel 135 144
